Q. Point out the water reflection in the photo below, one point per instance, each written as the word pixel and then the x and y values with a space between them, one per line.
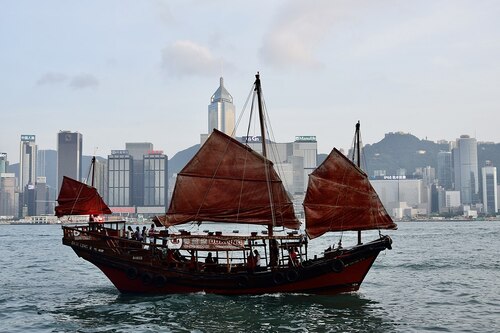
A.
pixel 106 311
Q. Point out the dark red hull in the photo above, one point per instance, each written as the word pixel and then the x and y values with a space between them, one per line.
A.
pixel 335 273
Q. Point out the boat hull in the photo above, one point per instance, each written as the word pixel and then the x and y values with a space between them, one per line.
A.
pixel 336 272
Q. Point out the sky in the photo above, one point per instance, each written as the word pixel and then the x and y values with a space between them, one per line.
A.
pixel 143 71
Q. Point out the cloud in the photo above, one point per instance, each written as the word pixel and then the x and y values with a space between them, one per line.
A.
pixel 297 32
pixel 186 58
pixel 83 81
pixel 51 78
pixel 80 81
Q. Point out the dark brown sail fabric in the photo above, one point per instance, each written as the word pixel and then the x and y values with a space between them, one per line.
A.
pixel 340 197
pixel 226 182
pixel 76 198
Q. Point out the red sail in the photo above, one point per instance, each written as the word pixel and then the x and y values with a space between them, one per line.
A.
pixel 226 182
pixel 340 197
pixel 76 198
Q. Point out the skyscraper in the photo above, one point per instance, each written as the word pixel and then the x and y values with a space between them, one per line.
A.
pixel 489 173
pixel 9 199
pixel 138 179
pixel 466 169
pixel 444 170
pixel 221 111
pixel 155 179
pixel 120 170
pixel 69 156
pixel 27 161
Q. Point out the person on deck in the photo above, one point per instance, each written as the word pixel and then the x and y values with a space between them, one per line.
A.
pixel 256 258
pixel 137 234
pixel 250 262
pixel 273 253
pixel 144 232
pixel 130 232
pixel 192 265
pixel 209 259
pixel 152 231
pixel 171 259
pixel 294 260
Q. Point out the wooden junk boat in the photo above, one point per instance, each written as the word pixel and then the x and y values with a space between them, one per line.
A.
pixel 228 182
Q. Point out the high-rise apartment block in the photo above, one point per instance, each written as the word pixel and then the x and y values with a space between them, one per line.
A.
pixel 69 156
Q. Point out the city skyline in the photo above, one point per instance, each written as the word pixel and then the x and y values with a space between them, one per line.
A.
pixel 145 72
pixel 104 154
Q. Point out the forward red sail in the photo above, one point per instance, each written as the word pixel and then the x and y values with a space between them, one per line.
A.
pixel 340 197
pixel 227 181
pixel 76 198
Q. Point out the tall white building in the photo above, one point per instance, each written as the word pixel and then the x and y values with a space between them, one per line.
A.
pixel 489 174
pixel 466 169
pixel 221 111
pixel 27 161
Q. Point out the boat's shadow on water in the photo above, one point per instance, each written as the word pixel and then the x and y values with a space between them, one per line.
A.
pixel 104 310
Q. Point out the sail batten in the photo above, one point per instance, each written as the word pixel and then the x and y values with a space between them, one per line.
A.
pixel 340 197
pixel 226 182
pixel 77 198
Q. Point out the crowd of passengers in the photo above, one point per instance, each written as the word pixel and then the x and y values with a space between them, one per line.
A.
pixel 174 257
pixel 140 235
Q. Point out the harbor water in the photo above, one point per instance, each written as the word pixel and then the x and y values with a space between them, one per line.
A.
pixel 439 277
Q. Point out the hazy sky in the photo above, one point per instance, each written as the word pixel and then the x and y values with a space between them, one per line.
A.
pixel 144 71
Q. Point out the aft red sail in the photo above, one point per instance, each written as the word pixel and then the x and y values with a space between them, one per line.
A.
pixel 226 181
pixel 340 197
pixel 77 198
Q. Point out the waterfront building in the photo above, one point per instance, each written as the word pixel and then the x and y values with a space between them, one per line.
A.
pixel 155 165
pixel 120 171
pixel 307 148
pixel 445 170
pixel 449 202
pixel 465 166
pixel 27 161
pixel 69 156
pixel 490 197
pixel 43 204
pixel 36 199
pixel 9 198
pixel 395 190
pixel 221 111
pixel 138 180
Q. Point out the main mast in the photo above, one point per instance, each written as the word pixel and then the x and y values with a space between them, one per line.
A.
pixel 92 165
pixel 357 151
pixel 258 89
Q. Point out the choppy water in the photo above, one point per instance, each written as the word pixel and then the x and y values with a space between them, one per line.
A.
pixel 440 276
